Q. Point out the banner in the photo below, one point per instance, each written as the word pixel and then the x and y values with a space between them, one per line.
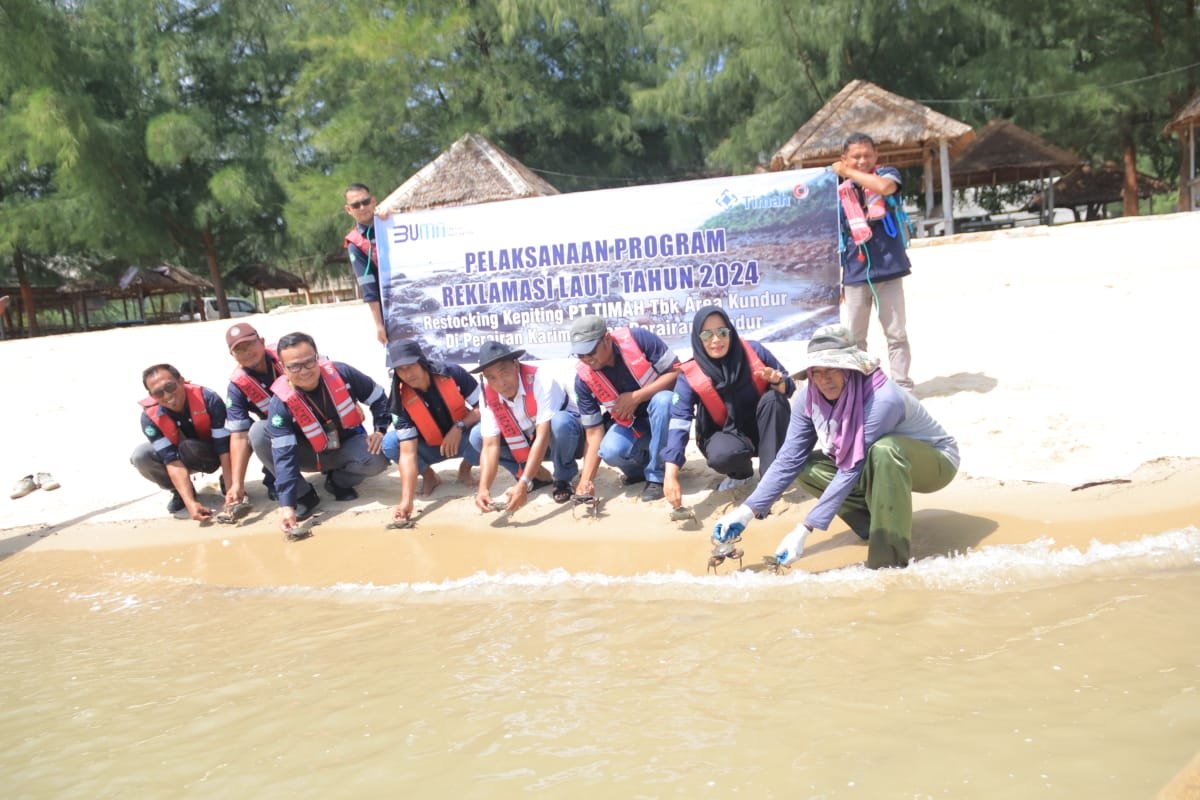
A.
pixel 763 247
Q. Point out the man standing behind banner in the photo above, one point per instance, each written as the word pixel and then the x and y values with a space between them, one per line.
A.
pixel 364 256
pixel 249 394
pixel 626 376
pixel 435 407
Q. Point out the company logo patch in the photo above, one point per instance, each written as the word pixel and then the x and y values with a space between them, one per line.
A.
pixel 277 421
pixel 151 430
pixel 235 331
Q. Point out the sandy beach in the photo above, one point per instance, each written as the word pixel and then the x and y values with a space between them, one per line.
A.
pixel 1036 647
pixel 1035 348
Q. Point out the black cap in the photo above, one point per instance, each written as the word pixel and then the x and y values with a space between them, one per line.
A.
pixel 403 353
pixel 491 352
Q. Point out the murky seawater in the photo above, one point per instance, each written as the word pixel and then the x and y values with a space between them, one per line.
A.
pixel 1012 672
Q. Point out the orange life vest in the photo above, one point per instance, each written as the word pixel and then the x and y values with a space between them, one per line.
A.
pixel 418 412
pixel 358 239
pixel 254 391
pixel 201 421
pixel 347 409
pixel 606 394
pixel 514 437
pixel 703 387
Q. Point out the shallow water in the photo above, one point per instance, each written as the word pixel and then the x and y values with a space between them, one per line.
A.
pixel 1011 672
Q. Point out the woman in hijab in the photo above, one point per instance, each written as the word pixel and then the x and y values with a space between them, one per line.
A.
pixel 875 445
pixel 738 394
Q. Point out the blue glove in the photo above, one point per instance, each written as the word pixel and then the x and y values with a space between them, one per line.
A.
pixel 790 547
pixel 731 525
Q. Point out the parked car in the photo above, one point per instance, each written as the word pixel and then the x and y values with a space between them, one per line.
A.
pixel 238 307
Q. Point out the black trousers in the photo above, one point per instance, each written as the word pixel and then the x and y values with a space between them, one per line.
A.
pixel 729 452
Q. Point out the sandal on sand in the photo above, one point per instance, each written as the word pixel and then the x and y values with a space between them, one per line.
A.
pixel 23 487
pixel 46 482
pixel 562 491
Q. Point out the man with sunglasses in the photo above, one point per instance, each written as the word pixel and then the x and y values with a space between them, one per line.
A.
pixel 624 383
pixel 185 427
pixel 315 425
pixel 364 257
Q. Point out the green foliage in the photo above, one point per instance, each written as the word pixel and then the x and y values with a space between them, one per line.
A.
pixel 177 137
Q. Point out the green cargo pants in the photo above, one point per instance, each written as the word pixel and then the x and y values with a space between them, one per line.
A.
pixel 879 508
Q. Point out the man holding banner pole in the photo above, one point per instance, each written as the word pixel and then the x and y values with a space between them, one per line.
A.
pixel 627 376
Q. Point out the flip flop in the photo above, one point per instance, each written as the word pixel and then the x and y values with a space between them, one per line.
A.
pixel 562 492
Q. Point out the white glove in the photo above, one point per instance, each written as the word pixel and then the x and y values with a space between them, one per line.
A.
pixel 731 525
pixel 791 546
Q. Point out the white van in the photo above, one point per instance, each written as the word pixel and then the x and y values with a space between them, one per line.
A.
pixel 238 307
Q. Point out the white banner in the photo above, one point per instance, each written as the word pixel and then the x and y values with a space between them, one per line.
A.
pixel 763 247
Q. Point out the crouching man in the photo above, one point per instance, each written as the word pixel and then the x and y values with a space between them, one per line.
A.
pixel 185 425
pixel 434 408
pixel 317 426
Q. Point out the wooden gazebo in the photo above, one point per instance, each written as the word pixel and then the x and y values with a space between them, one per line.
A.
pixel 1186 123
pixel 164 279
pixel 906 132
pixel 1003 152
pixel 1094 188
pixel 264 277
pixel 472 170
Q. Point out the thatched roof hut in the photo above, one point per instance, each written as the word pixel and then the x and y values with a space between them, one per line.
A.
pixel 1186 123
pixel 163 279
pixel 1096 187
pixel 906 132
pixel 472 171
pixel 1003 152
pixel 264 277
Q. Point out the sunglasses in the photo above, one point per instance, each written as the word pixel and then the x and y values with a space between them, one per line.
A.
pixel 300 366
pixel 357 204
pixel 720 333
pixel 167 388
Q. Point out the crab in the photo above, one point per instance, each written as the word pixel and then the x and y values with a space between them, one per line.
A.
pixel 682 514
pixel 301 531
pixel 590 502
pixel 772 565
pixel 233 512
pixel 724 550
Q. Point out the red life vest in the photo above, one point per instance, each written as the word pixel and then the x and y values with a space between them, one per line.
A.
pixel 514 437
pixel 254 390
pixel 606 394
pixel 418 412
pixel 358 239
pixel 196 408
pixel 702 385
pixel 347 409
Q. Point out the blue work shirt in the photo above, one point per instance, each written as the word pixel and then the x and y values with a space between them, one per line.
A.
pixel 183 420
pixel 366 272
pixel 660 356
pixel 286 435
pixel 884 255
pixel 242 407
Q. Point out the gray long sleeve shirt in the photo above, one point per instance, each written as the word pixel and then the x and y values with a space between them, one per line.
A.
pixel 890 410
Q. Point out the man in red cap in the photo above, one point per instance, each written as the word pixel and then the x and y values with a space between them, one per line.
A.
pixel 248 395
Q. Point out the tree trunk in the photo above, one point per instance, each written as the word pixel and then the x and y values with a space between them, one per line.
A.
pixel 214 272
pixel 26 293
pixel 1129 187
pixel 1185 168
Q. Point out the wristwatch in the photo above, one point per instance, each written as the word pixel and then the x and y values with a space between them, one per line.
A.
pixel 461 425
pixel 527 481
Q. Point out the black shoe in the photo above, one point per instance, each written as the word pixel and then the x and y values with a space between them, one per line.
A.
pixel 340 493
pixel 631 480
pixel 306 504
pixel 221 483
pixel 652 492
pixel 176 503
pixel 271 493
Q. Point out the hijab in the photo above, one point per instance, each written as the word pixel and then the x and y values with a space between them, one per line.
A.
pixel 846 418
pixel 727 372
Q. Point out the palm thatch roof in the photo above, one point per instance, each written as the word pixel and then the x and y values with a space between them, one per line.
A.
pixel 901 128
pixel 1090 185
pixel 264 277
pixel 472 171
pixel 163 279
pixel 1188 115
pixel 1006 153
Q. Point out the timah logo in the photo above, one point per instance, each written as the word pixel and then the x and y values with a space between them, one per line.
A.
pixel 417 232
pixel 727 200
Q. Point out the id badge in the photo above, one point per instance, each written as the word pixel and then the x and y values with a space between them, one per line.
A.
pixel 332 439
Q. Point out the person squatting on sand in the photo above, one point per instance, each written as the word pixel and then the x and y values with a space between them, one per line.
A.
pixel 875 445
pixel 249 394
pixel 434 407
pixel 185 426
pixel 526 415
pixel 317 426
pixel 624 384
pixel 872 247
pixel 738 393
